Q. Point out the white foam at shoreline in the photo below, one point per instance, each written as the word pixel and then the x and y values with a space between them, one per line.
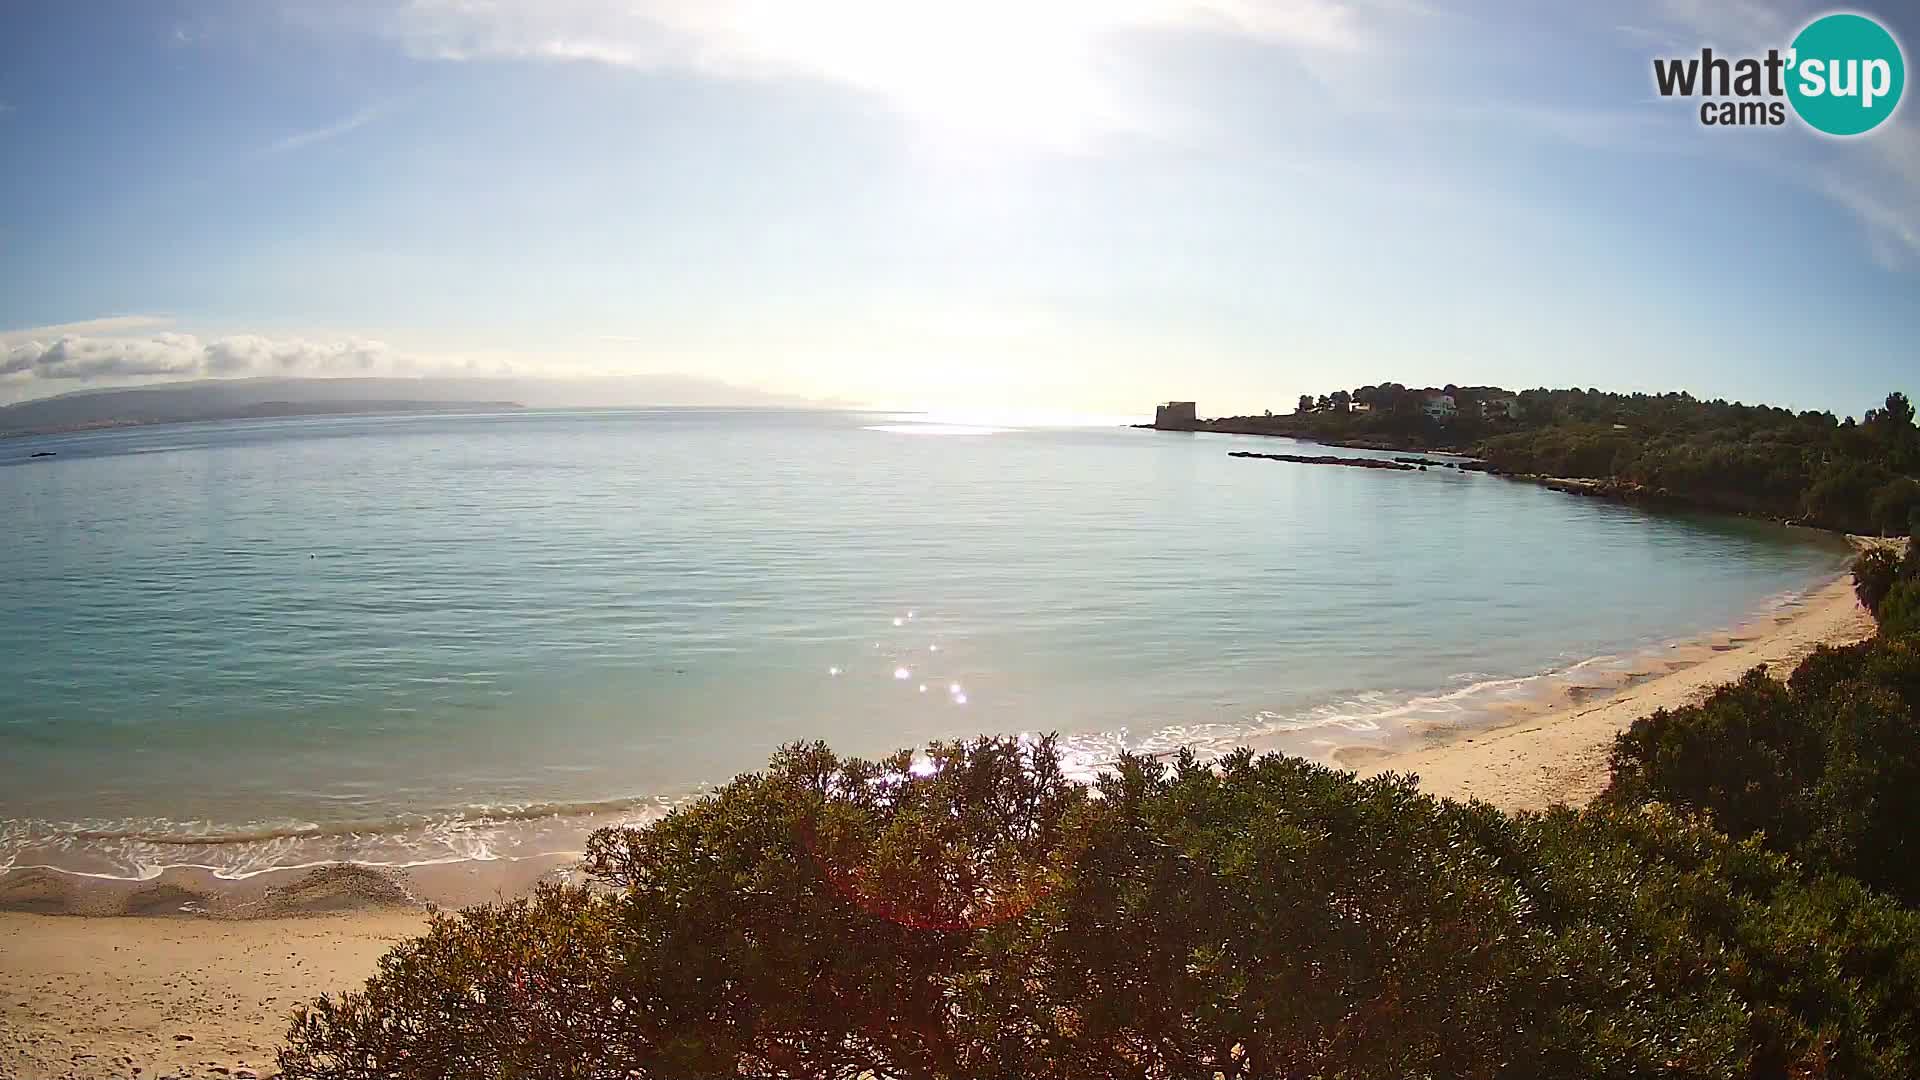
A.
pixel 142 849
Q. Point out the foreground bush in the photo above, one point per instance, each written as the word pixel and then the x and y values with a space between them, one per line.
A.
pixel 1875 572
pixel 984 917
pixel 1880 571
pixel 1899 612
pixel 1825 768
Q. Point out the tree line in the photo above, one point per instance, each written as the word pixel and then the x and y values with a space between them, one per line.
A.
pixel 1811 467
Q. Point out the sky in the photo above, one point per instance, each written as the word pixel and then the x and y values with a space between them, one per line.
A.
pixel 1083 205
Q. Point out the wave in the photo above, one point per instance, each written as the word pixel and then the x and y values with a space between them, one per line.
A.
pixel 1368 718
pixel 142 848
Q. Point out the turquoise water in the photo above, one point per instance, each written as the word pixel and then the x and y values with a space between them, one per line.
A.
pixel 411 638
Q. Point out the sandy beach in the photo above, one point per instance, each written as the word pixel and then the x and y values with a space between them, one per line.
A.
pixel 200 984
pixel 160 997
pixel 1557 752
pixel 188 976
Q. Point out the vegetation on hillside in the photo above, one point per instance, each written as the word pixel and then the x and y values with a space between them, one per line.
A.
pixel 1807 466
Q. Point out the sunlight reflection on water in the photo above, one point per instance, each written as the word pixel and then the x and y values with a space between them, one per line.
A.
pixel 267 643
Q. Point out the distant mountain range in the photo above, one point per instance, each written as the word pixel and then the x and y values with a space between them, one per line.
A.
pixel 232 399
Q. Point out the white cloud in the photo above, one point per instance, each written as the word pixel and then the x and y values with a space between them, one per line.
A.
pixel 332 131
pixel 80 358
pixel 1015 70
pixel 251 354
pixel 91 358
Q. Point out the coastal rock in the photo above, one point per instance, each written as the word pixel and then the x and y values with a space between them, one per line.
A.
pixel 1327 459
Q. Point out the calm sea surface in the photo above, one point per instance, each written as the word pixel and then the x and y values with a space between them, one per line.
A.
pixel 411 638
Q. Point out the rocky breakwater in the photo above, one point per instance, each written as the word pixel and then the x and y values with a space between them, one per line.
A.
pixel 1329 459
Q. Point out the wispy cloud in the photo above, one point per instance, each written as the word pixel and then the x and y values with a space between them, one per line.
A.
pixel 1013 68
pixel 838 39
pixel 111 324
pixel 1728 23
pixel 1874 177
pixel 321 134
pixel 1881 186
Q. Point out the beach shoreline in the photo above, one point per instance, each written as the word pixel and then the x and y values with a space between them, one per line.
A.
pixel 1557 723
pixel 169 978
pixel 102 977
pixel 1555 752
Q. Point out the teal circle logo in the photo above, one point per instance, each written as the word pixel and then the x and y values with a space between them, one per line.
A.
pixel 1845 74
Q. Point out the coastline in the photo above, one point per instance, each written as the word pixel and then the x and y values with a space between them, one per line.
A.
pixel 1446 743
pixel 1556 752
pixel 102 976
pixel 1613 489
pixel 197 983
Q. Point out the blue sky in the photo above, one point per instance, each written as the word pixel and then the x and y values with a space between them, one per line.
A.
pixel 1075 204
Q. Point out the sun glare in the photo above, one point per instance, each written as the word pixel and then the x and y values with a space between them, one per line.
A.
pixel 989 71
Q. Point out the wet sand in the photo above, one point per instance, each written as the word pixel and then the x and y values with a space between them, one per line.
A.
pixel 187 976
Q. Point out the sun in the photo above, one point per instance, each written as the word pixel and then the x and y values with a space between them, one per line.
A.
pixel 981 72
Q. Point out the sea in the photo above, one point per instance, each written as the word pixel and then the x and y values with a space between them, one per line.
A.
pixel 413 639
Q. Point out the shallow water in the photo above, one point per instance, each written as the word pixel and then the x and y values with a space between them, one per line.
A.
pixel 266 643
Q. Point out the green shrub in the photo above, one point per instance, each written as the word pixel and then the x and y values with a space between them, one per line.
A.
pixel 1264 917
pixel 1868 796
pixel 1745 756
pixel 1825 769
pixel 1899 612
pixel 1880 571
pixel 1875 571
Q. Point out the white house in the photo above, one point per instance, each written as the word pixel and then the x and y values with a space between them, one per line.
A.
pixel 1508 407
pixel 1439 406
